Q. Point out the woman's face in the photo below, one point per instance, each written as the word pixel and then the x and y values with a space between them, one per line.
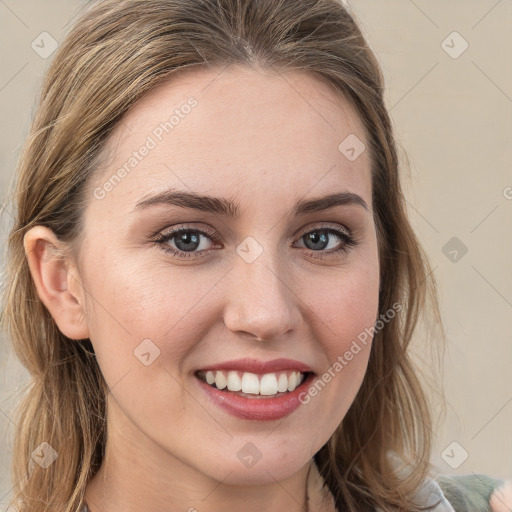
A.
pixel 255 280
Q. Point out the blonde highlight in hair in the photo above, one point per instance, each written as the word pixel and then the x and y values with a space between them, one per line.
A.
pixel 115 53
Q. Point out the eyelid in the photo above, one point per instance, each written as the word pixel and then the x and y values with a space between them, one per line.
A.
pixel 327 225
pixel 166 232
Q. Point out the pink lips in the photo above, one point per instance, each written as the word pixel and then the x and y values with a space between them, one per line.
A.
pixel 260 367
pixel 262 409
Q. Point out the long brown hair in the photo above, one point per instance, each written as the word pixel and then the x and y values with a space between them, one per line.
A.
pixel 115 53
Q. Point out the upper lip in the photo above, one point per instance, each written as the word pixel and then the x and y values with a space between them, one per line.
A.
pixel 258 366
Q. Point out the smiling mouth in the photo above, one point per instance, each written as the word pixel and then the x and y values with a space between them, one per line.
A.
pixel 252 385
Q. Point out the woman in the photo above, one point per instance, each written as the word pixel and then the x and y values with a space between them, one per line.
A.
pixel 212 278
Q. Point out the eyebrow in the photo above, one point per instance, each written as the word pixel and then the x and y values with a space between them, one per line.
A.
pixel 229 208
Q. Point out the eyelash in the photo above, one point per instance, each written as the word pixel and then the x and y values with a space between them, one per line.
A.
pixel 347 241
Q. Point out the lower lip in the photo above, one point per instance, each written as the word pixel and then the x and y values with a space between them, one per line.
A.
pixel 262 409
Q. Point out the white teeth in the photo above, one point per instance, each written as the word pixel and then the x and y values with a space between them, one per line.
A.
pixel 220 380
pixel 250 383
pixel 292 382
pixel 268 384
pixel 234 382
pixel 282 383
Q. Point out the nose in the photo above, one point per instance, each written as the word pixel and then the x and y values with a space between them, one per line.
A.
pixel 261 299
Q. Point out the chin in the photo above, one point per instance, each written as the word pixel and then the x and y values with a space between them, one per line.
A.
pixel 266 468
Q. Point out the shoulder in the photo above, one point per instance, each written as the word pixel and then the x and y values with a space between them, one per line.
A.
pixel 441 493
pixel 464 493
pixel 461 493
pixel 468 493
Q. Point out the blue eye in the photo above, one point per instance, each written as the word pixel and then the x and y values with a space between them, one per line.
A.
pixel 187 242
pixel 319 240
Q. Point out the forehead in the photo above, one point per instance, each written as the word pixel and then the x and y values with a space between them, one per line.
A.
pixel 238 130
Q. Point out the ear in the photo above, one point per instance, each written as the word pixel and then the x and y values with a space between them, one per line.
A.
pixel 57 281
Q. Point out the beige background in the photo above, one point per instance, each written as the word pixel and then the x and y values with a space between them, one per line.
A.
pixel 453 117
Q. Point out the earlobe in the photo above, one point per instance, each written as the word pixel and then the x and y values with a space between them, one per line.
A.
pixel 57 285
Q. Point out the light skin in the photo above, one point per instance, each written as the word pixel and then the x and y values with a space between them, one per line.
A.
pixel 265 140
pixel 501 499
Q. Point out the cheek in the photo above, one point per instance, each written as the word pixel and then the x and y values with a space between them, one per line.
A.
pixel 152 321
pixel 344 309
pixel 344 303
pixel 138 308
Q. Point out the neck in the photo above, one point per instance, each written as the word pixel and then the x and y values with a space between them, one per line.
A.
pixel 142 475
pixel 108 493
